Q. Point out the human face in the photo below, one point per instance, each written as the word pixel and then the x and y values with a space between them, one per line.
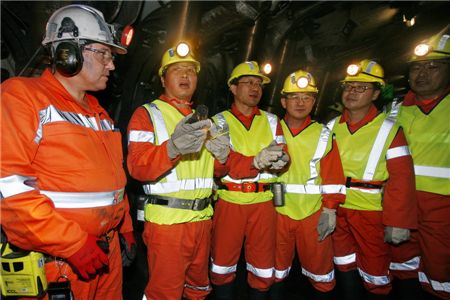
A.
pixel 247 91
pixel 429 78
pixel 358 96
pixel 97 65
pixel 298 105
pixel 180 80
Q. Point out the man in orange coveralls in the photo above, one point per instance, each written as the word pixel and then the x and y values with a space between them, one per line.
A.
pixel 175 157
pixel 424 116
pixel 380 205
pixel 62 180
pixel 310 174
pixel 244 210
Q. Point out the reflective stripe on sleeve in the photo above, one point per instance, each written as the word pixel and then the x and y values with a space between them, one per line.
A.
pixel 178 185
pixel 375 280
pixel 410 265
pixel 141 136
pixel 437 172
pixel 84 199
pixel 262 273
pixel 345 260
pixel 281 274
pixel 319 278
pixel 198 288
pixel 368 191
pixel 223 269
pixel 397 152
pixel 436 285
pixel 14 184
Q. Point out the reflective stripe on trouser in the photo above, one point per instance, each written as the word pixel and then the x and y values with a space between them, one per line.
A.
pixel 434 239
pixel 316 258
pixel 108 285
pixel 371 255
pixel 405 258
pixel 177 260
pixel 231 224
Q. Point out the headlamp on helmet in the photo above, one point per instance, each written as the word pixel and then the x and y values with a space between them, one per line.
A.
pixel 353 69
pixel 183 49
pixel 365 71
pixel 181 53
pixel 302 82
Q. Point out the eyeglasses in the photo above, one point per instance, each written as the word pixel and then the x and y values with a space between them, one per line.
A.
pixel 250 83
pixel 106 56
pixel 429 66
pixel 300 98
pixel 358 88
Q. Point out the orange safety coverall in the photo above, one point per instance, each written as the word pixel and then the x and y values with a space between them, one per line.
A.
pixel 434 219
pixel 254 222
pixel 353 227
pixel 51 143
pixel 316 257
pixel 178 254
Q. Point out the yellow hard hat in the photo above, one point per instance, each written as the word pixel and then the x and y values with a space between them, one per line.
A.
pixel 248 68
pixel 298 82
pixel 436 47
pixel 365 71
pixel 180 53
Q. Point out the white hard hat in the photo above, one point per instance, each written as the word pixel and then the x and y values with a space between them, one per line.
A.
pixel 80 22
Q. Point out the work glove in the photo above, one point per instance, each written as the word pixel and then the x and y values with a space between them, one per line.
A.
pixel 92 257
pixel 187 138
pixel 395 235
pixel 327 223
pixel 218 143
pixel 268 155
pixel 129 248
pixel 281 162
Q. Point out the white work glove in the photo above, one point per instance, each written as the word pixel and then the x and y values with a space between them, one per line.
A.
pixel 268 155
pixel 218 143
pixel 327 223
pixel 396 235
pixel 187 138
pixel 281 162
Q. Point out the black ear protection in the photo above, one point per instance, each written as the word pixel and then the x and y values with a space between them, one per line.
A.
pixel 67 58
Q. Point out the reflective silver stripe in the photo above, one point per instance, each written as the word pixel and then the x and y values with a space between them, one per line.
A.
pixel 178 185
pixel 51 114
pixel 222 269
pixel 397 152
pixel 141 136
pixel 280 139
pixel 320 150
pixel 273 122
pixel 376 280
pixel 410 265
pixel 368 191
pixel 303 189
pixel 319 278
pixel 254 179
pixel 377 149
pixel 263 273
pixel 333 189
pixel 198 288
pixel 345 260
pixel 84 199
pixel 281 274
pixel 436 285
pixel 158 122
pixel 437 172
pixel 14 184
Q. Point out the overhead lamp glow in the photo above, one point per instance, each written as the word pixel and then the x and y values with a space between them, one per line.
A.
pixel 267 69
pixel 422 49
pixel 352 69
pixel 183 49
pixel 302 82
pixel 127 35
pixel 409 22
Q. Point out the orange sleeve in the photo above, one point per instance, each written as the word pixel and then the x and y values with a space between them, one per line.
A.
pixel 332 172
pixel 399 201
pixel 241 166
pixel 29 219
pixel 127 223
pixel 146 161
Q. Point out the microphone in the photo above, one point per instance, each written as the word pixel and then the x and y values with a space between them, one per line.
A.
pixel 201 113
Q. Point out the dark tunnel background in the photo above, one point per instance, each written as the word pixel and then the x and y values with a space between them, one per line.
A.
pixel 322 37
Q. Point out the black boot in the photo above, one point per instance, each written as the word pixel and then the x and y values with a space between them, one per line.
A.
pixel 407 289
pixel 254 294
pixel 277 291
pixel 324 295
pixel 224 292
pixel 349 285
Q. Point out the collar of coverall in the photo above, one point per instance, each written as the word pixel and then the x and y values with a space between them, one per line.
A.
pixel 371 114
pixel 426 105
pixel 177 103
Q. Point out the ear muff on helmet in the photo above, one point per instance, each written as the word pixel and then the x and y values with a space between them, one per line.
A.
pixel 67 58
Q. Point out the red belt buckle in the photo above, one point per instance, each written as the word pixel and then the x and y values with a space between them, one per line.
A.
pixel 248 187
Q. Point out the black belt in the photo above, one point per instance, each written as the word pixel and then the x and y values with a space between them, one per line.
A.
pixel 195 204
pixel 350 183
